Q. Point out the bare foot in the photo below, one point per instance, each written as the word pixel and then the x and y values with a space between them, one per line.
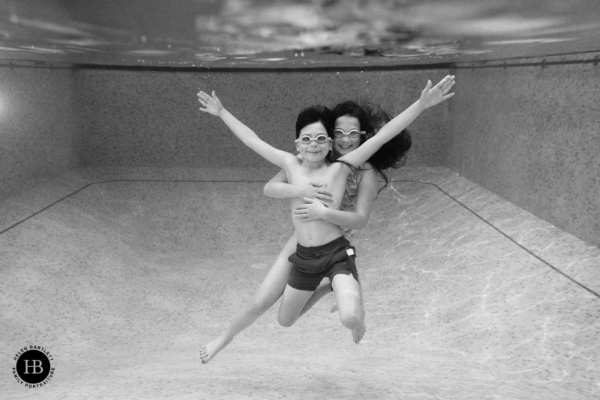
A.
pixel 358 333
pixel 334 308
pixel 208 351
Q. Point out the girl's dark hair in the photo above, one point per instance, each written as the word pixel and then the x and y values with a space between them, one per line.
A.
pixel 371 119
pixel 312 114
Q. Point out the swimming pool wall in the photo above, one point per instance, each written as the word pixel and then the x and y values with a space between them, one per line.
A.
pixel 152 118
pixel 527 131
pixel 530 132
pixel 40 134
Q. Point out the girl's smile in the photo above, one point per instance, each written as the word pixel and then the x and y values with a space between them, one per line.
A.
pixel 346 144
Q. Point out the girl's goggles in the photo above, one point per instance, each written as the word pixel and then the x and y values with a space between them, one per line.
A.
pixel 353 133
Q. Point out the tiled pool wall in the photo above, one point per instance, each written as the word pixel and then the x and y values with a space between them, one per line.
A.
pixel 531 134
pixel 151 118
pixel 527 132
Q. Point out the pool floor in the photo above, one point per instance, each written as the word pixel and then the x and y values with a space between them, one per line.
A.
pixel 121 275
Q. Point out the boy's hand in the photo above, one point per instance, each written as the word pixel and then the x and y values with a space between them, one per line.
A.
pixel 435 95
pixel 315 191
pixel 212 104
pixel 312 210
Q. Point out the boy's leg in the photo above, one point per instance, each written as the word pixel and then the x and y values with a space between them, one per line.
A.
pixel 350 307
pixel 292 303
pixel 322 290
pixel 334 308
pixel 267 294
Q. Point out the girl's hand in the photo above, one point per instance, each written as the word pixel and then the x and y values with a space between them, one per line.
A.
pixel 435 95
pixel 316 191
pixel 312 210
pixel 212 104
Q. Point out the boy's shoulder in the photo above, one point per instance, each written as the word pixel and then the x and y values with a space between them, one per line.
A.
pixel 294 162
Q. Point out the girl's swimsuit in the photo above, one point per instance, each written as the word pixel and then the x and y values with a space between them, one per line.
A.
pixel 351 195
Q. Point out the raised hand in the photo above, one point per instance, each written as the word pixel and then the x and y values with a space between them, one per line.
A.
pixel 211 104
pixel 435 95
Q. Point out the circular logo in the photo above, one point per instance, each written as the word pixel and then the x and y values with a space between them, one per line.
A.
pixel 33 368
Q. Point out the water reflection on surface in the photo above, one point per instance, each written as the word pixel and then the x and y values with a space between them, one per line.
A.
pixel 196 33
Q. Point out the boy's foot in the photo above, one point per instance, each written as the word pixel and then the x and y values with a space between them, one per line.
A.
pixel 358 333
pixel 208 351
pixel 334 308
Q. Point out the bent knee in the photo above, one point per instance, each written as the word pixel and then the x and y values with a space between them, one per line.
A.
pixel 350 320
pixel 351 312
pixel 286 321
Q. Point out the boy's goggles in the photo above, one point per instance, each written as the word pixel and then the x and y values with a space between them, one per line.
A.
pixel 321 139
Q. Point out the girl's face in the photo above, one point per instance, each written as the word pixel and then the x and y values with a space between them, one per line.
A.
pixel 346 144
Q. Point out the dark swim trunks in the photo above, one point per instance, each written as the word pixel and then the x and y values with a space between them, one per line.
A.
pixel 312 264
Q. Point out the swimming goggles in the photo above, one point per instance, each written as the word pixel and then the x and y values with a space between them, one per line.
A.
pixel 321 139
pixel 353 133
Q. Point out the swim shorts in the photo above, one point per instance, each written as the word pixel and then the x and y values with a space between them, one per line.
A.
pixel 312 264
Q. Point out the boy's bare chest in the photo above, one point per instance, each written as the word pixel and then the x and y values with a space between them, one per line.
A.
pixel 329 178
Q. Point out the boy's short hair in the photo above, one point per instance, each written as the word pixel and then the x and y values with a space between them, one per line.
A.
pixel 312 114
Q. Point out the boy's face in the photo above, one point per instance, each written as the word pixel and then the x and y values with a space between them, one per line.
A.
pixel 313 151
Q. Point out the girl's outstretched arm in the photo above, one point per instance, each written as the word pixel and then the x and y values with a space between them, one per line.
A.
pixel 212 105
pixel 430 96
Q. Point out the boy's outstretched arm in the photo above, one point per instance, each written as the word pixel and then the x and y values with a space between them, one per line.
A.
pixel 430 96
pixel 212 105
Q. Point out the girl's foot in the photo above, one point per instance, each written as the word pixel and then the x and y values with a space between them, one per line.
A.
pixel 358 333
pixel 208 351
